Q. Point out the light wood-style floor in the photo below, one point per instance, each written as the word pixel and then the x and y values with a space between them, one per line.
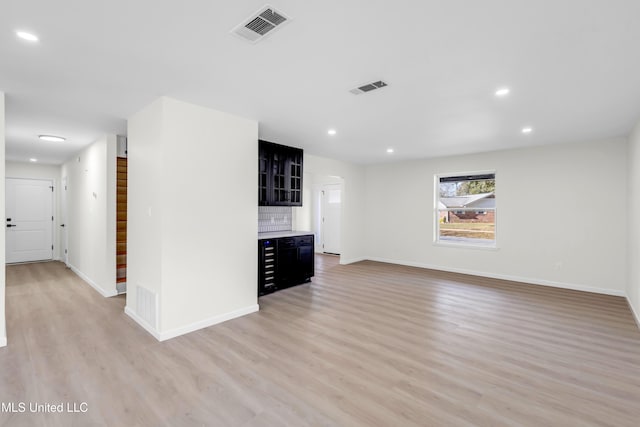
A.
pixel 368 344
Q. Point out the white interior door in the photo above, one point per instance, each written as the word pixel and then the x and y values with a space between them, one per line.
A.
pixel 29 222
pixel 331 208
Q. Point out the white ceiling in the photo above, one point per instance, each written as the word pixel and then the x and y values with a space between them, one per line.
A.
pixel 570 65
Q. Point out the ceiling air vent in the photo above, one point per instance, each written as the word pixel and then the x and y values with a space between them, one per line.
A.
pixel 368 87
pixel 261 23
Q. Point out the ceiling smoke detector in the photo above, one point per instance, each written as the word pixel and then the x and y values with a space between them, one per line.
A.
pixel 368 87
pixel 260 24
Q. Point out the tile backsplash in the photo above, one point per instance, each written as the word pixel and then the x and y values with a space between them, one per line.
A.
pixel 274 218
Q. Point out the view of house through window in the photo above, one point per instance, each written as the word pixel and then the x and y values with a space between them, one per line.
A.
pixel 466 209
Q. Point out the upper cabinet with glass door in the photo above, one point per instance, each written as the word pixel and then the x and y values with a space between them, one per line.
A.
pixel 279 175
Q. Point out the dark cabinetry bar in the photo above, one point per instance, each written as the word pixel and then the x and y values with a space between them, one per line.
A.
pixel 284 262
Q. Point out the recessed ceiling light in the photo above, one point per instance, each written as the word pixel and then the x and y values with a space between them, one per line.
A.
pixel 390 150
pixel 332 132
pixel 503 91
pixel 27 36
pixel 527 129
pixel 52 138
pixel 33 160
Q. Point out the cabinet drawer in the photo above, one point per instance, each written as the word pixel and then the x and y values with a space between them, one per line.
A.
pixel 287 242
pixel 304 241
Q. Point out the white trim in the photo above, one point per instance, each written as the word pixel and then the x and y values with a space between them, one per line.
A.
pixel 466 173
pixel 205 323
pixel 636 315
pixel 353 260
pixel 525 280
pixel 464 245
pixel 93 284
pixel 3 341
pixel 140 321
pixel 201 324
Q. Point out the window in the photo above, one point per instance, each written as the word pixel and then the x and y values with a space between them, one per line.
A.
pixel 466 209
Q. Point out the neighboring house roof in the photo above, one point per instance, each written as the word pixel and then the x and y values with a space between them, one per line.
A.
pixel 484 200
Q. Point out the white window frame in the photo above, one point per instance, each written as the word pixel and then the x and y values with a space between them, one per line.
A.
pixel 470 242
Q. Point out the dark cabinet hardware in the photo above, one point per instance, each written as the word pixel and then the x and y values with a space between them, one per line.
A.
pixel 11 225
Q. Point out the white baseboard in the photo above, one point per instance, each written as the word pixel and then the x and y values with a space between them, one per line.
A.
pixel 527 280
pixel 140 321
pixel 636 315
pixel 205 323
pixel 172 333
pixel 93 284
pixel 3 341
pixel 344 261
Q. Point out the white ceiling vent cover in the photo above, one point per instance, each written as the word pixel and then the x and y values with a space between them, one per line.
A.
pixel 265 21
pixel 368 87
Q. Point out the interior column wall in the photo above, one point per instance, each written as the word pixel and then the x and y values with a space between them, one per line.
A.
pixel 633 226
pixel 192 217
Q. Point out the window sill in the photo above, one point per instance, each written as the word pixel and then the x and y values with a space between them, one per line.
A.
pixel 467 245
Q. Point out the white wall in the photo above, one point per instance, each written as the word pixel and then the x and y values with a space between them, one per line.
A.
pixel 633 232
pixel 38 171
pixel 302 216
pixel 3 329
pixel 90 220
pixel 192 215
pixel 144 203
pixel 353 206
pixel 561 215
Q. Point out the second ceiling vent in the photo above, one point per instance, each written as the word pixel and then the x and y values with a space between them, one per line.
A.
pixel 261 23
pixel 368 87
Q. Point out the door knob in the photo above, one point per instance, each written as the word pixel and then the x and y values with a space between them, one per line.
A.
pixel 61 225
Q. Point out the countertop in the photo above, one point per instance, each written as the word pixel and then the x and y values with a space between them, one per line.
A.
pixel 277 234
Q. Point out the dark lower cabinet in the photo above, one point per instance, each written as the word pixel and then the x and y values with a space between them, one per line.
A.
pixel 287 262
pixel 284 262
